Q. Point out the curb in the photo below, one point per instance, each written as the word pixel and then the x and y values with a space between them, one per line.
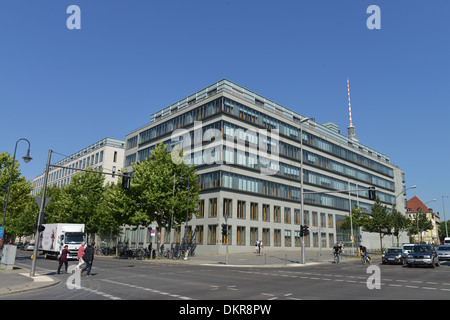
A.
pixel 39 282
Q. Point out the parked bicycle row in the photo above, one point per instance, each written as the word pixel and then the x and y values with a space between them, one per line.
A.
pixel 174 252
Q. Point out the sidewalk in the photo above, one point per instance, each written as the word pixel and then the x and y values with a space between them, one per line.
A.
pixel 18 280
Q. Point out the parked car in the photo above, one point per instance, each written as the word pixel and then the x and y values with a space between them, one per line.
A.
pixel 28 247
pixel 423 254
pixel 393 255
pixel 443 252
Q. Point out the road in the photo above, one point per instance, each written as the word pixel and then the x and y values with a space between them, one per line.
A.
pixel 117 279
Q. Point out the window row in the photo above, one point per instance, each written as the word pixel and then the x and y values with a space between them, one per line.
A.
pixel 237 235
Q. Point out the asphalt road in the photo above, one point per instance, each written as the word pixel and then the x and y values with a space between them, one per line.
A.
pixel 117 279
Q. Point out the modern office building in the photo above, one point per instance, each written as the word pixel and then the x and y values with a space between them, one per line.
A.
pixel 249 152
pixel 106 154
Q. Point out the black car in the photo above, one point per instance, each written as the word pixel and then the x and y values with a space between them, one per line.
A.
pixel 393 255
pixel 423 254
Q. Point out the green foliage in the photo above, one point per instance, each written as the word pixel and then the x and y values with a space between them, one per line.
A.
pixel 19 218
pixel 156 190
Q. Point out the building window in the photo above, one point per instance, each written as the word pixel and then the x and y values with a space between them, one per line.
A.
pixel 199 234
pixel 314 219
pixel 287 215
pixel 298 239
pixel 266 212
pixel 241 209
pixel 240 236
pixel 315 239
pixel 322 220
pixel 201 209
pixel 296 216
pixel 213 207
pixel 266 237
pixel 253 211
pixel 227 206
pixel 330 220
pixel 253 235
pixel 277 214
pixel 287 238
pixel 212 232
pixel 277 237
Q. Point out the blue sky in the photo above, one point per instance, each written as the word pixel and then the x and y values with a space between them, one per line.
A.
pixel 66 89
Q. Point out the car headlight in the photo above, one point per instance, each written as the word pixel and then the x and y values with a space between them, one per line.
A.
pixel 427 257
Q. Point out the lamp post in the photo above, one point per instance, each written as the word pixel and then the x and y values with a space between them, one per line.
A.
pixel 445 219
pixel 27 159
pixel 394 203
pixel 419 210
pixel 187 207
pixel 301 186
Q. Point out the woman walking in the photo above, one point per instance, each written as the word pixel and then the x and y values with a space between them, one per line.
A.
pixel 63 258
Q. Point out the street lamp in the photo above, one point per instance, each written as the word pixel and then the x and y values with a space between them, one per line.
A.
pixel 187 207
pixel 27 159
pixel 301 186
pixel 445 219
pixel 419 210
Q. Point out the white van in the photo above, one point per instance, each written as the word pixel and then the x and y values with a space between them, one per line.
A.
pixel 406 248
pixel 447 240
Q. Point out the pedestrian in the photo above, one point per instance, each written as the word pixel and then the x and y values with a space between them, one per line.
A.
pixel 88 258
pixel 80 255
pixel 257 246
pixel 260 245
pixel 63 258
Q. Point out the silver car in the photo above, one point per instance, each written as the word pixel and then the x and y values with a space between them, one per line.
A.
pixel 423 254
pixel 443 252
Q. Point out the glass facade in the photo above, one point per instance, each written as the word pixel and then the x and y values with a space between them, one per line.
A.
pixel 231 158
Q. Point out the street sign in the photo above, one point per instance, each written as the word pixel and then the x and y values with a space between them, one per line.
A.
pixel 153 232
pixel 39 199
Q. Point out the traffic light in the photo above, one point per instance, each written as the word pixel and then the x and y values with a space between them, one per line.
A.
pixel 224 229
pixel 126 181
pixel 304 231
pixel 39 224
pixel 372 193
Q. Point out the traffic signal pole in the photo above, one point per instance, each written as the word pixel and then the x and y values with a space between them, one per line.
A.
pixel 125 185
pixel 372 196
pixel 41 209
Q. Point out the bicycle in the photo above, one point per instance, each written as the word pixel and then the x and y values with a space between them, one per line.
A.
pixel 366 259
pixel 336 257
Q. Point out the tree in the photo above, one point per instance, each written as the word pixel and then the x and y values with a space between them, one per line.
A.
pixel 422 223
pixel 79 202
pixel 399 222
pixel 443 230
pixel 357 220
pixel 19 200
pixel 378 221
pixel 158 194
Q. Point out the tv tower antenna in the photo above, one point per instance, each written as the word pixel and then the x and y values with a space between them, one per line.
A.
pixel 351 128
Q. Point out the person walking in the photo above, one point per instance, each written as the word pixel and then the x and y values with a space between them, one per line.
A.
pixel 63 258
pixel 88 259
pixel 80 255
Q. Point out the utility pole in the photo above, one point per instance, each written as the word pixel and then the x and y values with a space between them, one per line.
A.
pixel 41 209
